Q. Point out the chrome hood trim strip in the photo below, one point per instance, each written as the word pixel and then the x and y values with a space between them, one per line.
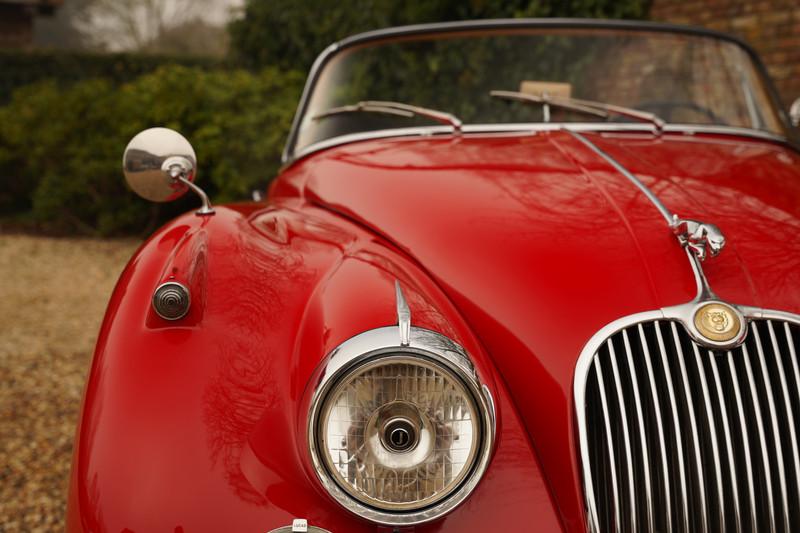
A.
pixel 705 294
pixel 666 213
pixel 527 127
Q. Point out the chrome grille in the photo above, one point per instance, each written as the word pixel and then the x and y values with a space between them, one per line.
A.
pixel 680 438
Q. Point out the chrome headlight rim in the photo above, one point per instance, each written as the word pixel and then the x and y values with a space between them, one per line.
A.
pixel 373 345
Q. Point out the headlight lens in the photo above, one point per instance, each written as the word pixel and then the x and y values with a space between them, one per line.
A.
pixel 399 432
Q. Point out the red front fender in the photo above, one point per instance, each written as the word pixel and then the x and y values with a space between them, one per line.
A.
pixel 197 425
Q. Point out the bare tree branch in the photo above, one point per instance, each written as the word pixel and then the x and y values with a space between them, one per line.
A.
pixel 137 24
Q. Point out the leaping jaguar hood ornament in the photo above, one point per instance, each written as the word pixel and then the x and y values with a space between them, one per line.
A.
pixel 702 238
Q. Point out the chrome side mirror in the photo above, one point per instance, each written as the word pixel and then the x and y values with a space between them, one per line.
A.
pixel 159 165
pixel 794 113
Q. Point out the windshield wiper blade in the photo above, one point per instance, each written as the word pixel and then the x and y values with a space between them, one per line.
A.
pixel 547 100
pixel 591 107
pixel 394 108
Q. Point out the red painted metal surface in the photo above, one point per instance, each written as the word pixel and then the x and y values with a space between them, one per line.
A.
pixel 198 425
pixel 520 247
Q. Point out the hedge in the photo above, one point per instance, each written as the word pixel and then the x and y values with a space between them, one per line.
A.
pixel 61 148
pixel 24 68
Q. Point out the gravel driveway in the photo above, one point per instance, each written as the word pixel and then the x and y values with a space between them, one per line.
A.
pixel 53 293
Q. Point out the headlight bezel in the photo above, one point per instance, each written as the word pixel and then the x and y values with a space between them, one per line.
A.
pixel 427 345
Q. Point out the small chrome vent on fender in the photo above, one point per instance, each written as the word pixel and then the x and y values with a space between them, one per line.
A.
pixel 677 437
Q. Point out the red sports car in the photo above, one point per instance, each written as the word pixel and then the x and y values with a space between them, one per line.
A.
pixel 515 275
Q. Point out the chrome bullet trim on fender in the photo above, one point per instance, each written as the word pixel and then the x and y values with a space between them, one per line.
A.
pixel 171 300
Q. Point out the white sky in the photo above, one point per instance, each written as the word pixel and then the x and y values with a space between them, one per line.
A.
pixel 219 13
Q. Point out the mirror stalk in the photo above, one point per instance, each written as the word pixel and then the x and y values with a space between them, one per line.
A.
pixel 206 208
pixel 179 168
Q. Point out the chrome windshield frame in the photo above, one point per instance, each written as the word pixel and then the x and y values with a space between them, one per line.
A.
pixel 289 152
pixel 529 128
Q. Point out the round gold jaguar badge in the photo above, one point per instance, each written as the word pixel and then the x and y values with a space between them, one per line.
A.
pixel 717 322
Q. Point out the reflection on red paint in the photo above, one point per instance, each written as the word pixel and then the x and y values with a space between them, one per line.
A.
pixel 520 247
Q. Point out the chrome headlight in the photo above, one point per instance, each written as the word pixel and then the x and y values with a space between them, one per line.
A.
pixel 400 434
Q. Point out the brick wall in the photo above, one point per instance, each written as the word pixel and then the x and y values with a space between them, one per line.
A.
pixel 772 27
pixel 16 26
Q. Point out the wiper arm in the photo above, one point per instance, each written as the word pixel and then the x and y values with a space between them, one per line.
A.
pixel 590 107
pixel 546 101
pixel 394 108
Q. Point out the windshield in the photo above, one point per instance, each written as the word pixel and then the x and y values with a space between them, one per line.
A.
pixel 682 78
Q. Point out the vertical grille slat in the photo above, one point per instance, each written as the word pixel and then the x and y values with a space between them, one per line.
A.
pixel 678 437
pixel 726 428
pixel 712 429
pixel 662 447
pixel 676 430
pixel 773 418
pixel 616 522
pixel 649 512
pixel 762 438
pixel 745 441
pixel 698 459
pixel 796 398
pixel 787 404
pixel 626 436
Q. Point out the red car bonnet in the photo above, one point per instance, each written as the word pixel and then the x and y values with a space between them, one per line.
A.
pixel 540 242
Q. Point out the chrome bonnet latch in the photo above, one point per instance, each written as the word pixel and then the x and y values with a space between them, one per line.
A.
pixel 702 238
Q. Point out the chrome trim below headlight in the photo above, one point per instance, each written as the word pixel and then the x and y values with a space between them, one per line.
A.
pixel 430 347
